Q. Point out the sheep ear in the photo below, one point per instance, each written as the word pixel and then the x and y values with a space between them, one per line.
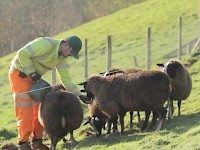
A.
pixel 83 83
pixel 160 65
pixel 96 119
pixel 88 121
pixel 102 73
pixel 82 91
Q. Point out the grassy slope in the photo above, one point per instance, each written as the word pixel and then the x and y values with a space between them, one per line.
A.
pixel 128 30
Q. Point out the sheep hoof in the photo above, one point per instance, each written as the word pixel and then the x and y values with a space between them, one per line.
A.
pixel 116 133
pixel 107 135
pixel 65 140
pixel 74 143
pixel 144 130
pixel 130 125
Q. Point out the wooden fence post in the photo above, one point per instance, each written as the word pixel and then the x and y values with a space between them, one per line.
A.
pixel 188 49
pixel 199 21
pixel 179 54
pixel 148 53
pixel 53 76
pixel 86 60
pixel 135 61
pixel 109 53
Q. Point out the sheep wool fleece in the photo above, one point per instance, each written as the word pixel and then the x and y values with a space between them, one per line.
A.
pixel 26 110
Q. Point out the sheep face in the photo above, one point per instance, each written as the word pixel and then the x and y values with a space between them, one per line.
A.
pixel 97 125
pixel 170 68
pixel 90 96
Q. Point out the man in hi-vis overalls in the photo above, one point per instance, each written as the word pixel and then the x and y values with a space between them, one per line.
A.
pixel 30 63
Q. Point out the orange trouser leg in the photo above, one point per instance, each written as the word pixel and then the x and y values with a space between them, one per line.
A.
pixel 26 113
pixel 37 128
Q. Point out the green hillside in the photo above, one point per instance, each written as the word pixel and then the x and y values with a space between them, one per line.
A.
pixel 128 30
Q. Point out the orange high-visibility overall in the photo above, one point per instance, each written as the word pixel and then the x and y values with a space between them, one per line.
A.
pixel 25 109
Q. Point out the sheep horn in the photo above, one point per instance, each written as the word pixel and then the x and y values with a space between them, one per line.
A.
pixel 88 121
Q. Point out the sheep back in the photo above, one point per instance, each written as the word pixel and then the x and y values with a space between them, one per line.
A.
pixel 60 113
pixel 132 91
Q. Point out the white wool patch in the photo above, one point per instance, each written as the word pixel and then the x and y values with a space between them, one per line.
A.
pixel 165 67
pixel 105 74
pixel 63 122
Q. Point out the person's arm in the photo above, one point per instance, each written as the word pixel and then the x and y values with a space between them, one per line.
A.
pixel 67 82
pixel 65 78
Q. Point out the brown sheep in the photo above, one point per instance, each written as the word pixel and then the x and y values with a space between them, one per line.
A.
pixel 60 113
pixel 180 81
pixel 127 70
pixel 142 91
pixel 97 118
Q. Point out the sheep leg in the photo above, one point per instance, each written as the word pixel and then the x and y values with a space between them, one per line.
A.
pixel 54 141
pixel 109 126
pixel 139 119
pixel 144 126
pixel 73 141
pixel 170 114
pixel 153 122
pixel 112 120
pixel 172 107
pixel 161 113
pixel 121 119
pixel 179 108
pixel 131 119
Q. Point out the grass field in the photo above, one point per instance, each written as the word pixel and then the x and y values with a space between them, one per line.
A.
pixel 128 30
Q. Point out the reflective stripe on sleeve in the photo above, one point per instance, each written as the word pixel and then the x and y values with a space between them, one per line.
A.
pixel 27 104
pixel 21 95
pixel 15 60
pixel 28 67
pixel 62 66
pixel 30 50
pixel 43 56
pixel 49 40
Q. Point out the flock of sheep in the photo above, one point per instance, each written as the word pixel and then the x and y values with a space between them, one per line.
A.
pixel 114 93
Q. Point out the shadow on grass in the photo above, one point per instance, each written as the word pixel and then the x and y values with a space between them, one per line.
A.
pixel 181 124
pixel 103 140
pixel 7 134
pixel 178 125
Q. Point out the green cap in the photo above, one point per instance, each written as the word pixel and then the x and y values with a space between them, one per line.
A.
pixel 76 44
